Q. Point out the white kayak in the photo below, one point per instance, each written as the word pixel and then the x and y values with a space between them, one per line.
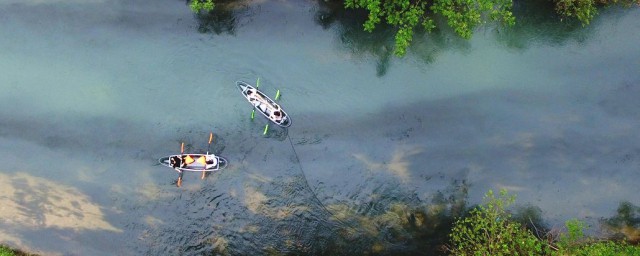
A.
pixel 265 105
pixel 194 162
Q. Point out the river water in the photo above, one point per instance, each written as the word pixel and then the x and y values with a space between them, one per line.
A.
pixel 382 154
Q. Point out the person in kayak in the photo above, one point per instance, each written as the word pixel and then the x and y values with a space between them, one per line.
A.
pixel 211 160
pixel 257 100
pixel 175 162
pixel 276 116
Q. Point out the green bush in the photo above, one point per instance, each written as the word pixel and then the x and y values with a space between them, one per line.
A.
pixel 488 230
pixel 605 248
pixel 202 5
pixel 574 243
pixel 8 251
pixel 583 10
pixel 5 251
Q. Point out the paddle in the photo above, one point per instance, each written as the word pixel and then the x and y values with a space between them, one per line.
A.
pixel 205 164
pixel 266 127
pixel 253 112
pixel 179 183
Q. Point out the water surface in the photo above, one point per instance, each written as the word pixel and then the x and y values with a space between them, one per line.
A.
pixel 382 150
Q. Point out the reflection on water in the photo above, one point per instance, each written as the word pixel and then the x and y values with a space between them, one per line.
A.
pixel 222 19
pixel 626 223
pixel 537 22
pixel 351 34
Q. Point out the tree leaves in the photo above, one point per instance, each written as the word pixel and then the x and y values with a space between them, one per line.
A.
pixel 201 5
pixel 583 10
pixel 488 231
pixel 462 15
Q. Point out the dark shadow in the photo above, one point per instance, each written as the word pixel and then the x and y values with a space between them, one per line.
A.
pixel 349 28
pixel 427 46
pixel 380 43
pixel 530 216
pixel 430 238
pixel 222 19
pixel 398 222
pixel 538 23
pixel 625 225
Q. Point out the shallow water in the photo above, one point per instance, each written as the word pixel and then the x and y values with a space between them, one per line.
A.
pixel 381 151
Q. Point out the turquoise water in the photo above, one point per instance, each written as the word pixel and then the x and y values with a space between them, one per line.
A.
pixel 94 92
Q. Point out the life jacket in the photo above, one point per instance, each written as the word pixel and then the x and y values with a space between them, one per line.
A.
pixel 188 159
pixel 202 160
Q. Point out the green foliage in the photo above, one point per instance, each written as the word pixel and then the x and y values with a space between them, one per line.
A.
pixel 4 251
pixel 574 236
pixel 605 248
pixel 625 3
pixel 201 5
pixel 406 15
pixel 403 14
pixel 583 10
pixel 574 242
pixel 488 230
pixel 464 15
pixel 8 251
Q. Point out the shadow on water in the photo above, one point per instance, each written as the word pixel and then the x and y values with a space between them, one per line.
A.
pixel 380 43
pixel 397 222
pixel 223 19
pixel 537 22
pixel 350 32
pixel 625 224
pixel 278 217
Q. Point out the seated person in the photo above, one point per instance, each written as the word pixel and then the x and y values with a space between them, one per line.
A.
pixel 186 159
pixel 175 161
pixel 211 160
pixel 276 116
pixel 255 98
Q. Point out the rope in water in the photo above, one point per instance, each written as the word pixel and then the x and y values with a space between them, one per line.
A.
pixel 308 186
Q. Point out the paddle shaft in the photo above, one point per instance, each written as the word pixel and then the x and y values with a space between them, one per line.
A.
pixel 205 163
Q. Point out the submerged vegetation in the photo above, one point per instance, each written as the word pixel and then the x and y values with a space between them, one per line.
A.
pixel 446 226
pixel 463 16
